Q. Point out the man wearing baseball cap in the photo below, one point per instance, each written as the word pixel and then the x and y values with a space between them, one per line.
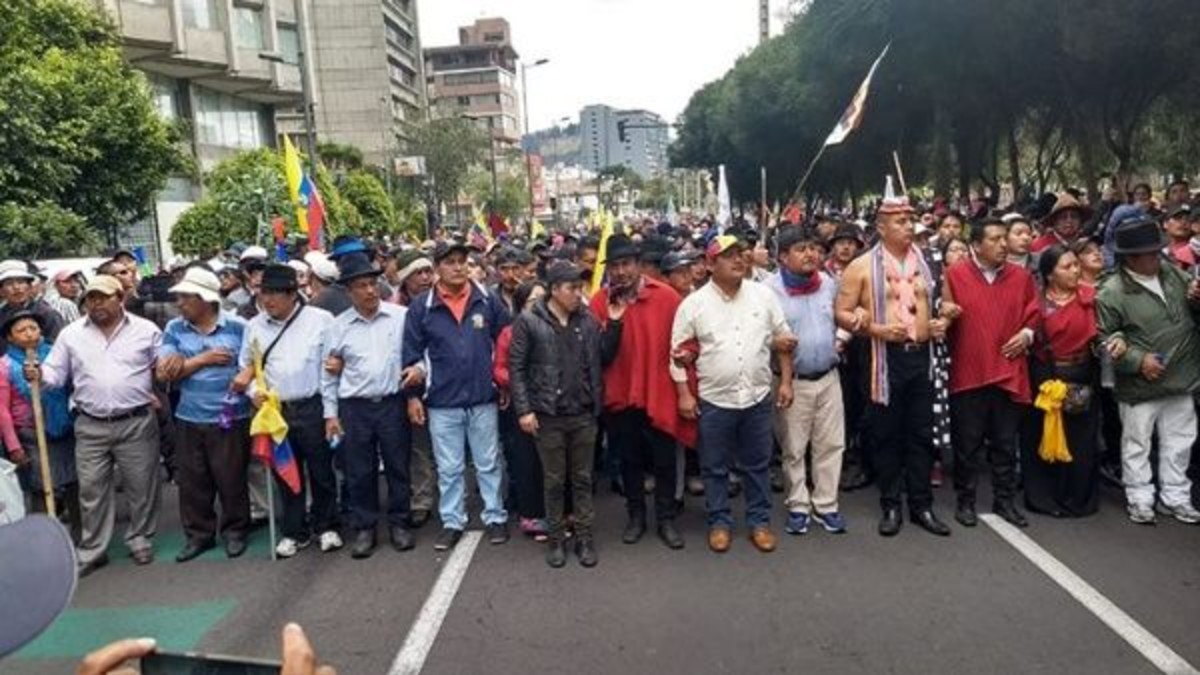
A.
pixel 199 354
pixel 16 289
pixel 108 358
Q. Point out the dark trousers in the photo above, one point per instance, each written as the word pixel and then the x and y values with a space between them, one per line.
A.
pixel 567 447
pixel 643 448
pixel 211 465
pixel 1071 489
pixel 902 432
pixel 306 435
pixel 375 429
pixel 742 438
pixel 524 467
pixel 852 371
pixel 990 414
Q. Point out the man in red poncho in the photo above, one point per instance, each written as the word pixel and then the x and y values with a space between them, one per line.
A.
pixel 635 313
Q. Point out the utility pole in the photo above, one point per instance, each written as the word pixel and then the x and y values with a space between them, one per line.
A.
pixel 306 86
pixel 764 20
pixel 525 116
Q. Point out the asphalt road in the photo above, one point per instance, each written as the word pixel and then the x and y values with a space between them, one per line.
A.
pixel 855 603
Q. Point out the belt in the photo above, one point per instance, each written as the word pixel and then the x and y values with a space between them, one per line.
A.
pixel 813 377
pixel 370 399
pixel 117 417
pixel 1069 362
pixel 315 399
pixel 908 346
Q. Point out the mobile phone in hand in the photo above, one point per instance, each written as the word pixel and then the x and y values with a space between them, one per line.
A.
pixel 193 663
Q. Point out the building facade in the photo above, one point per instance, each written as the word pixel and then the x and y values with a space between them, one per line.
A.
pixel 643 148
pixel 202 60
pixel 477 78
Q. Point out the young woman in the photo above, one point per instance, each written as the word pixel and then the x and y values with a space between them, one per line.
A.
pixel 23 330
pixel 1064 352
pixel 1091 261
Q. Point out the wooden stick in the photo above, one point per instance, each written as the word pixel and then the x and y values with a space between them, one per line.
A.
pixel 899 172
pixel 39 425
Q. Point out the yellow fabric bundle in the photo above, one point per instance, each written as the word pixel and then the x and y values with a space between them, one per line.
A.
pixel 1050 399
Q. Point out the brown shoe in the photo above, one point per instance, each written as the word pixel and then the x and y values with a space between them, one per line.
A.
pixel 718 539
pixel 143 556
pixel 763 538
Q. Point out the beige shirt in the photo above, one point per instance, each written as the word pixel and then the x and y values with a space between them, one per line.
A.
pixel 735 335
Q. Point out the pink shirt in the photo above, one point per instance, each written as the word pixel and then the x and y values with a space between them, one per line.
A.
pixel 111 375
pixel 15 410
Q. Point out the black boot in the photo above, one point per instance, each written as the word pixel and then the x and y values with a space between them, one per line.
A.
pixel 670 534
pixel 556 553
pixel 1008 511
pixel 585 548
pixel 635 528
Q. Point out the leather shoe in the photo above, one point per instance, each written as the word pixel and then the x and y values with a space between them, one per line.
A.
pixel 763 538
pixel 1008 511
pixel 556 553
pixel 96 564
pixel 402 538
pixel 670 535
pixel 890 523
pixel 585 548
pixel 192 550
pixel 234 548
pixel 364 544
pixel 926 520
pixel 634 529
pixel 965 515
pixel 418 518
pixel 719 539
pixel 143 556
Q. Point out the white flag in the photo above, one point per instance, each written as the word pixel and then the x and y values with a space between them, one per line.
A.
pixel 852 118
pixel 724 212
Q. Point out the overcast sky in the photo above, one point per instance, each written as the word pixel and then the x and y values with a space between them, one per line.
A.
pixel 650 54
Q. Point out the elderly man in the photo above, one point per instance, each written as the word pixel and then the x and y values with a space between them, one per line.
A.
pixel 1150 310
pixel 1064 223
pixel 108 358
pixel 364 406
pixel 199 354
pixel 414 276
pixel 16 289
pixel 887 295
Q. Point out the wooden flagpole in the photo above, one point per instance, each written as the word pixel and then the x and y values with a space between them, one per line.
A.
pixel 39 425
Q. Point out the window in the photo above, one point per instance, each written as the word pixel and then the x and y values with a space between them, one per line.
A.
pixel 229 122
pixel 199 14
pixel 483 77
pixel 464 100
pixel 164 91
pixel 493 37
pixel 289 44
pixel 248 28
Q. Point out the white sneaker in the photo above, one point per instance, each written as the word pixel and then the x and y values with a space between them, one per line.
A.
pixel 330 541
pixel 1142 514
pixel 288 547
pixel 1184 513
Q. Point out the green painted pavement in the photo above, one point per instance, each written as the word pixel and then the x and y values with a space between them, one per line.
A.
pixel 167 544
pixel 79 631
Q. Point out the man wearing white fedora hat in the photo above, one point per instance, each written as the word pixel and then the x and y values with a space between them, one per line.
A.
pixel 16 289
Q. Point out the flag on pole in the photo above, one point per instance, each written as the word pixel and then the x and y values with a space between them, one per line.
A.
pixel 606 231
pixel 724 211
pixel 672 214
pixel 852 118
pixel 143 262
pixel 310 208
pixel 269 431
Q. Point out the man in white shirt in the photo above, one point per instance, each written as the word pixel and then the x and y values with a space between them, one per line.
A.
pixel 729 328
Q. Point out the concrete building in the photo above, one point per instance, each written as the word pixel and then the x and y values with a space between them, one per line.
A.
pixel 644 149
pixel 477 78
pixel 202 61
pixel 365 58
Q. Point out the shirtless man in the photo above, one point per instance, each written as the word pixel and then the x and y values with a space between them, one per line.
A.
pixel 900 326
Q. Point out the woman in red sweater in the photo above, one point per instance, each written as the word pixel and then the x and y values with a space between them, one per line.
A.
pixel 1064 351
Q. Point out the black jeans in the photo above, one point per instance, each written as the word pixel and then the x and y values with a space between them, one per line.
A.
pixel 376 429
pixel 902 432
pixel 986 413
pixel 566 446
pixel 306 435
pixel 211 464
pixel 524 467
pixel 643 448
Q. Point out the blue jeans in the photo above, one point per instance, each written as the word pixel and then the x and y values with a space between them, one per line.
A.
pixel 743 436
pixel 452 431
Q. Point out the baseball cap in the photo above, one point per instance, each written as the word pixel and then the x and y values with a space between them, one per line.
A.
pixel 720 244
pixel 37 575
pixel 105 284
pixel 253 253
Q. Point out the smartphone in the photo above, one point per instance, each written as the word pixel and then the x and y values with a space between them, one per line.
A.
pixel 193 663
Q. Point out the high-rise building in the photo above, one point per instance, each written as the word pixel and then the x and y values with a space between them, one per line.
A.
pixel 202 59
pixel 367 74
pixel 477 78
pixel 643 148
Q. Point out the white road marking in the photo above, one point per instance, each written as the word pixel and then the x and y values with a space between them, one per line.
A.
pixel 1158 653
pixel 411 657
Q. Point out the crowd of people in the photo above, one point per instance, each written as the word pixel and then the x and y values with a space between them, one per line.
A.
pixel 1054 345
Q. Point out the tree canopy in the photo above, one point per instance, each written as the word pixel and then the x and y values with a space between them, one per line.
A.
pixel 972 94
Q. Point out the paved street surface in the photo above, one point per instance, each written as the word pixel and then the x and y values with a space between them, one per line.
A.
pixel 856 603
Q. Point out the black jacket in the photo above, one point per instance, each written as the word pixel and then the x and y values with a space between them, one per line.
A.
pixel 533 360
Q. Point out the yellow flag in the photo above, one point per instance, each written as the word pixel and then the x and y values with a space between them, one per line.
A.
pixel 295 175
pixel 605 232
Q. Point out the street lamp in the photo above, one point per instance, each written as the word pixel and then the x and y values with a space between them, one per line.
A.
pixel 492 148
pixel 529 159
pixel 557 175
pixel 310 126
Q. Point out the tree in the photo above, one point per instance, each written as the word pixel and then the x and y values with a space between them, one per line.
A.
pixel 77 124
pixel 512 188
pixel 44 230
pixel 367 194
pixel 340 157
pixel 451 146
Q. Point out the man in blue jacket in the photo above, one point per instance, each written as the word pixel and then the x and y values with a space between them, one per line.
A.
pixel 450 334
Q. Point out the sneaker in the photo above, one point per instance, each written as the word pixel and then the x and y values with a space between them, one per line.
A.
pixel 288 547
pixel 497 533
pixel 330 541
pixel 446 539
pixel 534 527
pixel 1184 513
pixel 797 523
pixel 1142 514
pixel 833 522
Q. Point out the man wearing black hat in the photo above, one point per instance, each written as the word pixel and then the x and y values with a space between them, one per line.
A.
pixel 1153 309
pixel 654 248
pixel 844 247
pixel 450 336
pixel 365 408
pixel 292 340
pixel 554 365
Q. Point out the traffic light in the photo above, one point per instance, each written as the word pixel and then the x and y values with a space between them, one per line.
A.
pixel 621 131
